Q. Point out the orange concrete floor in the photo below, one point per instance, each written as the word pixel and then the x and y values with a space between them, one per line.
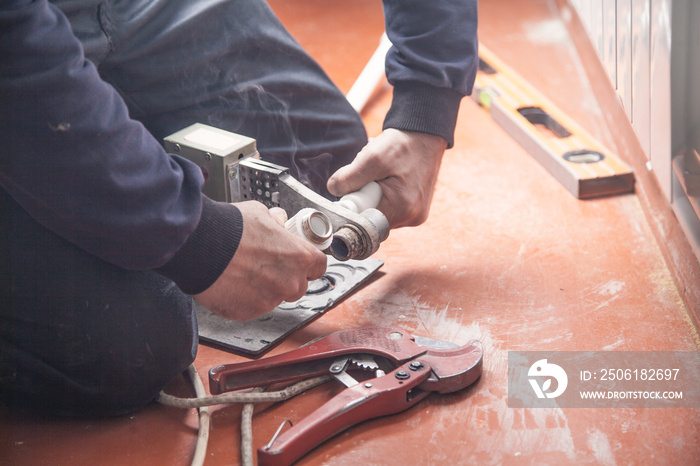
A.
pixel 508 256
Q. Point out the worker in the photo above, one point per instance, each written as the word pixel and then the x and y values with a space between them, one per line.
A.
pixel 106 238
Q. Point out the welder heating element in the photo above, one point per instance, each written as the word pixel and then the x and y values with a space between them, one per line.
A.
pixel 349 242
pixel 234 173
pixel 312 225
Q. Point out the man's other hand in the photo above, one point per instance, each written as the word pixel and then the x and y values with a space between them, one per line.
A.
pixel 270 266
pixel 405 164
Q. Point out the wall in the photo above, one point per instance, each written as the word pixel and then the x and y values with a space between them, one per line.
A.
pixel 649 51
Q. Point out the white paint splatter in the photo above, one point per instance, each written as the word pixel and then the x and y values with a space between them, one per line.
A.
pixel 612 346
pixel 496 431
pixel 600 446
pixel 611 288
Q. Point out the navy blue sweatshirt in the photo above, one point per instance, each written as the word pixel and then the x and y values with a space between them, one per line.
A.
pixel 73 158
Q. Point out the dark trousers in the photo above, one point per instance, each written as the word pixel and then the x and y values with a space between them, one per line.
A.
pixel 80 336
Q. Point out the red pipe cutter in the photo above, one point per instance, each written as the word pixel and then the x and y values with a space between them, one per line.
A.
pixel 402 370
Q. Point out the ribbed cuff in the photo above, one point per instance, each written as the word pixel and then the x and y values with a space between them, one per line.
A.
pixel 208 250
pixel 425 109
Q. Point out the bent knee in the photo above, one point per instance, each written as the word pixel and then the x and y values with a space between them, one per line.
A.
pixel 105 388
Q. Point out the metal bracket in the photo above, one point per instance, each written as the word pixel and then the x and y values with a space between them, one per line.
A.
pixel 255 337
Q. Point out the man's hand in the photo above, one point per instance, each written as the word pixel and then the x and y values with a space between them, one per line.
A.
pixel 405 164
pixel 270 266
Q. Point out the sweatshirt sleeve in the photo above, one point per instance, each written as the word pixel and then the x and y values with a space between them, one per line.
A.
pixel 74 160
pixel 431 64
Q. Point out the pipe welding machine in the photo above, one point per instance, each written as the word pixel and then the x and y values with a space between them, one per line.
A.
pixel 351 228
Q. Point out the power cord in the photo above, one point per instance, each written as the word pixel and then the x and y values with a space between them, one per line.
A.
pixel 202 401
pixel 200 450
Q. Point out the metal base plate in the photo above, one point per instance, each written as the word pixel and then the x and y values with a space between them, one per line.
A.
pixel 257 336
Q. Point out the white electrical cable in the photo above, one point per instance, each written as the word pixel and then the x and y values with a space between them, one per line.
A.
pixel 248 397
pixel 200 450
pixel 247 432
pixel 228 398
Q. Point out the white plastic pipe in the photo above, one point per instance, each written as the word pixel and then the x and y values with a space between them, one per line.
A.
pixel 371 75
pixel 367 197
pixel 312 225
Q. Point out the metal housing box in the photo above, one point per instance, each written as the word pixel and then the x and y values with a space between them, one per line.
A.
pixel 217 152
